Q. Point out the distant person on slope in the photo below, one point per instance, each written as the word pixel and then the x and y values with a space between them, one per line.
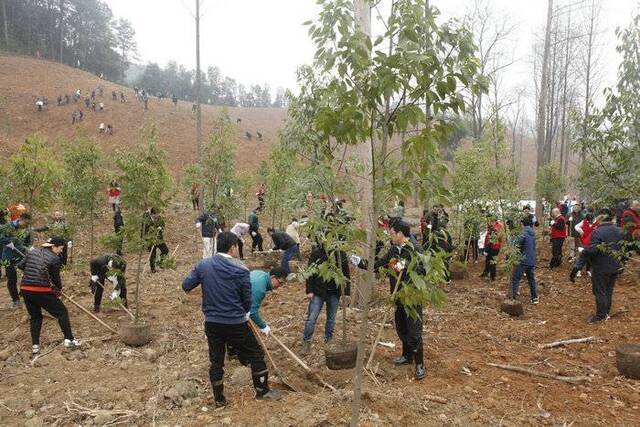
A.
pixel 282 241
pixel 209 226
pixel 240 229
pixel 153 231
pixel 254 230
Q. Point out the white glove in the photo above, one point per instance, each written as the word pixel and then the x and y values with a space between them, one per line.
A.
pixel 266 330
pixel 94 279
pixel 159 228
pixel 580 249
pixel 198 224
pixel 113 279
pixel 552 223
pixel 70 244
pixel 247 316
pixel 115 294
pixel 429 226
pixel 253 234
pixel 355 260
pixel 110 264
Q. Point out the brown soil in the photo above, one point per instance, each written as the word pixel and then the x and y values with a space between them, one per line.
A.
pixel 167 380
pixel 24 79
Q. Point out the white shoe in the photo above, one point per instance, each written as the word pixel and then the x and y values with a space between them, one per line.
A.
pixel 579 274
pixel 35 349
pixel 74 343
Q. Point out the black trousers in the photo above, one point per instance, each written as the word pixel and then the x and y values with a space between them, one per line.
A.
pixel 164 251
pixel 256 242
pixel 602 286
pixel 12 280
pixel 490 263
pixel 35 302
pixel 556 252
pixel 409 331
pixel 240 246
pixel 472 245
pixel 241 338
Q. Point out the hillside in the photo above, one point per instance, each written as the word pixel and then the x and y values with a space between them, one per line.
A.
pixel 24 79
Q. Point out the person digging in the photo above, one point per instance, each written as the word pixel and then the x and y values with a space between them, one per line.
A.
pixel 112 267
pixel 226 304
pixel 408 327
pixel 41 288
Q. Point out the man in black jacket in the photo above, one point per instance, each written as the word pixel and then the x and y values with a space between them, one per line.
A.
pixel 112 267
pixel 408 326
pixel 322 291
pixel 282 241
pixel 41 287
pixel 152 231
pixel 207 222
pixel 254 230
pixel 603 253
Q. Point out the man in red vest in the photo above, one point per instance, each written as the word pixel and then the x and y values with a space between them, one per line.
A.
pixel 558 232
pixel 631 222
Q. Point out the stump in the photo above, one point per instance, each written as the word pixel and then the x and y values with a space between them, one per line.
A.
pixel 135 334
pixel 341 355
pixel 628 360
pixel 458 271
pixel 512 307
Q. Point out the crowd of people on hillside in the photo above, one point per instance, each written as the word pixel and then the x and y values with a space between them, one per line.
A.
pixel 599 242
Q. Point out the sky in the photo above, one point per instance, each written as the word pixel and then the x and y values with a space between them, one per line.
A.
pixel 264 41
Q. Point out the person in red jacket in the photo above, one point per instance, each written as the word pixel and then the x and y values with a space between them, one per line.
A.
pixel 492 245
pixel 585 229
pixel 558 232
pixel 631 222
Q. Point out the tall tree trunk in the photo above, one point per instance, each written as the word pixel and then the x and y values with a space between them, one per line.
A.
pixel 542 101
pixel 198 86
pixel 5 25
pixel 563 136
pixel 587 92
pixel 61 58
pixel 138 276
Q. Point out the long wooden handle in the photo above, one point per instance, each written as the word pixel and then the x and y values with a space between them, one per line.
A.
pixel 301 363
pixel 88 312
pixel 255 331
pixel 121 304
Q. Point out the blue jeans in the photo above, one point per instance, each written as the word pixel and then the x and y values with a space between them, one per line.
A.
pixel 315 305
pixel 287 256
pixel 517 275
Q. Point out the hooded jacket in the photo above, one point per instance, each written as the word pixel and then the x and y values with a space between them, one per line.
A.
pixel 226 289
pixel 526 242
pixel 605 239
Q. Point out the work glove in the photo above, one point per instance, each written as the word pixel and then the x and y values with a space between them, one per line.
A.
pixel 253 234
pixel 198 224
pixel 266 330
pixel 429 226
pixel 113 279
pixel 115 294
pixel 94 279
pixel 70 244
pixel 485 253
pixel 580 249
pixel 552 223
pixel 247 316
pixel 355 260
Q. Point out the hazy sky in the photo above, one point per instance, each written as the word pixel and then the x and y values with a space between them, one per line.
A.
pixel 263 41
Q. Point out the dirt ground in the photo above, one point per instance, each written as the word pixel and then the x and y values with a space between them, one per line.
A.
pixel 166 382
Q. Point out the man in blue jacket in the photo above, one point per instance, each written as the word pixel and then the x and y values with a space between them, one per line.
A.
pixel 261 283
pixel 604 253
pixel 526 242
pixel 226 301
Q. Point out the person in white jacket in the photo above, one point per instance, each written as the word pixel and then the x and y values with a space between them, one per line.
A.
pixel 240 229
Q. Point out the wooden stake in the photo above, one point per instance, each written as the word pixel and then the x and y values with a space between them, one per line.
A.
pixel 88 312
pixel 572 380
pixel 565 342
pixel 301 363
pixel 384 322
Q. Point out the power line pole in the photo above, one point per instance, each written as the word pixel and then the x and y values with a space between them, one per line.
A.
pixel 198 85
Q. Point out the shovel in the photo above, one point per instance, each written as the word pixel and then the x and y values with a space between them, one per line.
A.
pixel 266 350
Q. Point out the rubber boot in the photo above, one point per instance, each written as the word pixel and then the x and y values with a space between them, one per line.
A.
pixel 218 396
pixel 573 274
pixel 261 384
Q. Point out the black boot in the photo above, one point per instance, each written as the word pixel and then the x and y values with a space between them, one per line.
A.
pixel 218 396
pixel 261 384
pixel 572 275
